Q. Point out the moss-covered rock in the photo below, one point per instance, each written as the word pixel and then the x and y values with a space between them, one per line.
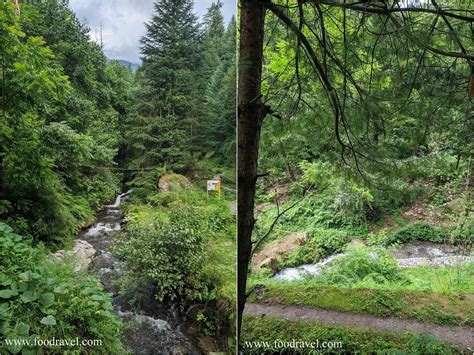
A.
pixel 173 182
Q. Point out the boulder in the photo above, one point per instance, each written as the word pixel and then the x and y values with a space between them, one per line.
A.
pixel 173 182
pixel 278 249
pixel 81 254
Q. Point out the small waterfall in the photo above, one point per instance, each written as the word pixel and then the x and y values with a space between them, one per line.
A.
pixel 119 199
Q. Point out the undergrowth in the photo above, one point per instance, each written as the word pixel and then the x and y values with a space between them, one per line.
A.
pixel 42 298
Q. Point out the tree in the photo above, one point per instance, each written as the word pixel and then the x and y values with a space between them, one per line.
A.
pixel 60 122
pixel 217 128
pixel 251 111
pixel 324 49
pixel 171 55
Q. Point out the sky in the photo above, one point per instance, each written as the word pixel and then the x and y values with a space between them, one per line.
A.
pixel 123 22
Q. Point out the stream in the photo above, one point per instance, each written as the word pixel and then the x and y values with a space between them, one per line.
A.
pixel 156 328
pixel 409 255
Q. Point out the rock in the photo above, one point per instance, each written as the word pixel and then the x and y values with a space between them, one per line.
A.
pixel 173 182
pixel 82 254
pixel 179 350
pixel 278 249
pixel 456 205
pixel 259 290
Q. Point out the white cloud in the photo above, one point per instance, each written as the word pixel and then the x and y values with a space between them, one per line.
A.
pixel 122 22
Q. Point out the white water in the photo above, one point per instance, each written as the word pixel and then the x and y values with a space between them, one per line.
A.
pixel 407 256
pixel 303 271
pixel 119 199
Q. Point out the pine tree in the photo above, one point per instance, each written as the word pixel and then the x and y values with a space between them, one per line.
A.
pixel 214 32
pixel 171 56
pixel 218 132
pixel 165 119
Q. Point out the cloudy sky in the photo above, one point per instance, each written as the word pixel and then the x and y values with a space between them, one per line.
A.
pixel 123 22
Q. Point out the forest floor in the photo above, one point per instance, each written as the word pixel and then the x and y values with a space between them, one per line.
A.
pixel 462 336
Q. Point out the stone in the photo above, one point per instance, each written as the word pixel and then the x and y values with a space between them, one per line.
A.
pixel 81 254
pixel 179 350
pixel 173 182
pixel 278 249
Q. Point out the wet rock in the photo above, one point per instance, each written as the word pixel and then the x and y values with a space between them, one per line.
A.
pixel 82 254
pixel 172 182
pixel 307 270
pixel 440 261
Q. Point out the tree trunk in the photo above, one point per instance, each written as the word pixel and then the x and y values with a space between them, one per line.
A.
pixel 251 112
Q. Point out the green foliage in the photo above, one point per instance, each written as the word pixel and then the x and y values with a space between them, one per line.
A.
pixel 41 298
pixel 321 243
pixel 417 232
pixel 174 253
pixel 184 94
pixel 184 243
pixel 432 307
pixel 59 119
pixel 363 265
pixel 353 339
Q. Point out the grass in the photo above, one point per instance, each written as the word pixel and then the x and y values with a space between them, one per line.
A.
pixel 353 340
pixel 446 279
pixel 430 307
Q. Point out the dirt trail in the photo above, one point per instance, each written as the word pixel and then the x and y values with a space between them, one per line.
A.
pixel 462 336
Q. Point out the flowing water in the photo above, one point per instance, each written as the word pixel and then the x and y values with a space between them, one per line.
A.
pixel 156 328
pixel 303 271
pixel 408 255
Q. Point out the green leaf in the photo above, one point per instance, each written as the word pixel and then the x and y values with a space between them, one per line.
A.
pixel 5 280
pixel 22 329
pixel 4 308
pixel 29 296
pixel 47 299
pixel 8 293
pixel 49 320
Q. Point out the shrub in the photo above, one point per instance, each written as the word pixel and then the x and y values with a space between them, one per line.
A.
pixel 184 243
pixel 171 253
pixel 44 299
pixel 417 232
pixel 363 265
pixel 321 243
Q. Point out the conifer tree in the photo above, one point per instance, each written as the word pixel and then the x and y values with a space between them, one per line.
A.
pixel 163 127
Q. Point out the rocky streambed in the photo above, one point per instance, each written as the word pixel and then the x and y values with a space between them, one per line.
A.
pixel 153 328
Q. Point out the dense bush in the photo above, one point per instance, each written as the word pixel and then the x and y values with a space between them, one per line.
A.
pixel 184 243
pixel 171 253
pixel 361 265
pixel 42 299
pixel 417 232
pixel 59 121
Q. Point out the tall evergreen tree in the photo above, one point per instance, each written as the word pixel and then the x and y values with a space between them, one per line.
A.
pixel 162 129
pixel 218 131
